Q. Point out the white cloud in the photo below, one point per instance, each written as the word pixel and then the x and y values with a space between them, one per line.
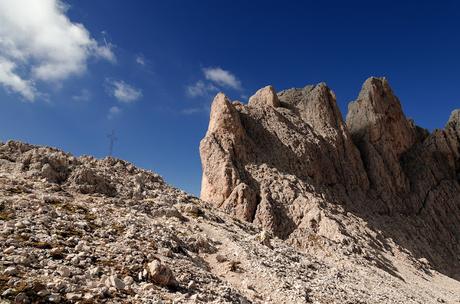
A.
pixel 140 60
pixel 105 52
pixel 113 112
pixel 222 77
pixel 196 110
pixel 38 42
pixel 124 92
pixel 14 82
pixel 84 95
pixel 200 88
pixel 215 77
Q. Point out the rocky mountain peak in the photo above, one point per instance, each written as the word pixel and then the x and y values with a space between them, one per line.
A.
pixel 224 116
pixel 377 116
pixel 265 97
pixel 298 161
pixel 382 133
pixel 316 105
pixel 454 119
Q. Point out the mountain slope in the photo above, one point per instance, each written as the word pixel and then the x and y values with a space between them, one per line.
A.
pixel 82 230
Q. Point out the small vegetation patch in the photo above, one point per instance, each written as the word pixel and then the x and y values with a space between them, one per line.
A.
pixel 30 290
pixel 21 238
pixel 70 231
pixel 40 245
pixel 18 190
pixel 6 215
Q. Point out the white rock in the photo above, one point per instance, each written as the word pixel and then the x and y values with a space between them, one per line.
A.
pixel 10 270
pixel 9 250
pixel 72 296
pixel 165 252
pixel 114 281
pixel 192 209
pixel 64 271
pixel 88 296
pixel 75 260
pixel 43 293
pixel 55 251
pixel 128 280
pixel 161 274
pixel 95 271
pixel 146 286
pixel 8 292
pixel 19 225
pixel 191 284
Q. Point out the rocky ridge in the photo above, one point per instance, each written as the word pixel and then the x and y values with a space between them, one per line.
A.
pixel 82 230
pixel 290 163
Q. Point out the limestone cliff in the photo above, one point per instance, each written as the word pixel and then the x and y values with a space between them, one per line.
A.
pixel 289 163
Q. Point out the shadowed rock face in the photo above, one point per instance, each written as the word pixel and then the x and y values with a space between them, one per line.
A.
pixel 289 163
pixel 382 132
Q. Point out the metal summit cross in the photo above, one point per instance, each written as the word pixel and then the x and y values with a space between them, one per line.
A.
pixel 112 139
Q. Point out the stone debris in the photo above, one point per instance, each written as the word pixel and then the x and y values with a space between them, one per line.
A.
pixel 64 271
pixel 114 281
pixel 264 238
pixel 161 274
pixel 220 258
pixel 10 271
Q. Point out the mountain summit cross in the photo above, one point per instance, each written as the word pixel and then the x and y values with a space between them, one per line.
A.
pixel 112 139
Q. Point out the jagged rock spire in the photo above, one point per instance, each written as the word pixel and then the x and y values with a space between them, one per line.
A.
pixel 454 119
pixel 278 161
pixel 224 116
pixel 382 133
pixel 264 97
pixel 223 139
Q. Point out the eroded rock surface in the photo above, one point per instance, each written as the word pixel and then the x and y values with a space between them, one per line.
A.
pixel 108 232
pixel 308 175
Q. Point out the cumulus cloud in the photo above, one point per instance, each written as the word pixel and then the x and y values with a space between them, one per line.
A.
pixel 222 77
pixel 113 112
pixel 38 42
pixel 215 78
pixel 200 88
pixel 124 92
pixel 14 82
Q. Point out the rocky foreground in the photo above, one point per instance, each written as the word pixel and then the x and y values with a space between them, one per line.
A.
pixel 303 207
pixel 81 230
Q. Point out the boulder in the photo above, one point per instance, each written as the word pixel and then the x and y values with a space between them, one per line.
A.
pixel 161 274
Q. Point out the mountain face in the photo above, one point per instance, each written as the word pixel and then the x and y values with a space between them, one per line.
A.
pixel 291 164
pixel 302 207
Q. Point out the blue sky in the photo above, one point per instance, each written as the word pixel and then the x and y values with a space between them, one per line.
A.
pixel 149 69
